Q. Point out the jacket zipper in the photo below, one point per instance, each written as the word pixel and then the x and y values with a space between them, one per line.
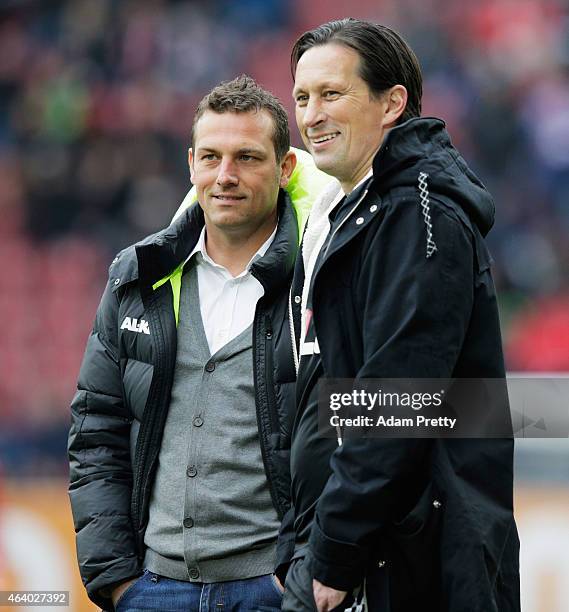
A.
pixel 269 376
pixel 152 427
pixel 272 415
pixel 290 307
pixel 292 332
pixel 338 428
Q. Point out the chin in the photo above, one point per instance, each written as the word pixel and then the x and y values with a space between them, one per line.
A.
pixel 229 222
pixel 325 164
pixel 223 218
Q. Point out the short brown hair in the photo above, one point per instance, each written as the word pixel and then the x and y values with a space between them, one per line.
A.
pixel 242 95
pixel 385 58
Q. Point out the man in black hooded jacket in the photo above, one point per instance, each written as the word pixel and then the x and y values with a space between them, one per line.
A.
pixel 393 282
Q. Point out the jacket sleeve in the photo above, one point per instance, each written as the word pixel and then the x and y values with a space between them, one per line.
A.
pixel 414 314
pixel 100 466
pixel 285 545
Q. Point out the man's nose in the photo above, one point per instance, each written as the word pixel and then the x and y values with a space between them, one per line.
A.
pixel 227 174
pixel 313 113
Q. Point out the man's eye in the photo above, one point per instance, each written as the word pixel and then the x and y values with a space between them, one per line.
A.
pixel 246 157
pixel 208 157
pixel 301 100
pixel 330 94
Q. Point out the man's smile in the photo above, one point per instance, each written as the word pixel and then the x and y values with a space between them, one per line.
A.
pixel 228 198
pixel 321 140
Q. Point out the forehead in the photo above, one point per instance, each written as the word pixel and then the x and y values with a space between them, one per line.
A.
pixel 234 130
pixel 328 62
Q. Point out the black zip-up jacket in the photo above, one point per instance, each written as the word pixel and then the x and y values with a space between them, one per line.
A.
pixel 120 408
pixel 404 290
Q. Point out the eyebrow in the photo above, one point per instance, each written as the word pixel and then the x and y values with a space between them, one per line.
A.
pixel 251 151
pixel 205 150
pixel 244 151
pixel 324 85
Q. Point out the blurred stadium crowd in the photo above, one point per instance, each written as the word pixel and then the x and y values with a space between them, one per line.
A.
pixel 96 103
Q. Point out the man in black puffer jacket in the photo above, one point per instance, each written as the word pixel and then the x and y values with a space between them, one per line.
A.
pixel 394 282
pixel 179 444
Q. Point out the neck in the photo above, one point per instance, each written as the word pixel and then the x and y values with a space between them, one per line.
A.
pixel 349 186
pixel 233 250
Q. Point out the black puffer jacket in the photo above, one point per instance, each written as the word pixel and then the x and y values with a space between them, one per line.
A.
pixel 404 290
pixel 119 411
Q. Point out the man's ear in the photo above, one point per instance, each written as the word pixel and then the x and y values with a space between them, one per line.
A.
pixel 191 163
pixel 395 103
pixel 288 165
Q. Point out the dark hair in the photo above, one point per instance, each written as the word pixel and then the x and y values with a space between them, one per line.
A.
pixel 385 58
pixel 242 95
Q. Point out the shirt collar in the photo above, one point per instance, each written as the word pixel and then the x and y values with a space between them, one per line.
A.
pixel 203 257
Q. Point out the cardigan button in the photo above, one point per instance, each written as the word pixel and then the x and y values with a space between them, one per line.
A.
pixel 359 220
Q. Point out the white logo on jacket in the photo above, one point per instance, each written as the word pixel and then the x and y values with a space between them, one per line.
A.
pixel 135 325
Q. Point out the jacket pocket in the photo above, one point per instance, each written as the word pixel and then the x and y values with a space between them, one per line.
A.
pixel 415 543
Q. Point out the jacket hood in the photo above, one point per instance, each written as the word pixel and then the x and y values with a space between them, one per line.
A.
pixel 423 145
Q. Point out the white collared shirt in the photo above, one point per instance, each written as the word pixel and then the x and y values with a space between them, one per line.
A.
pixel 227 303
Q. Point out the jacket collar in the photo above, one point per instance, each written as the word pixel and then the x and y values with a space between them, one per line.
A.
pixel 274 268
pixel 406 145
pixel 158 255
